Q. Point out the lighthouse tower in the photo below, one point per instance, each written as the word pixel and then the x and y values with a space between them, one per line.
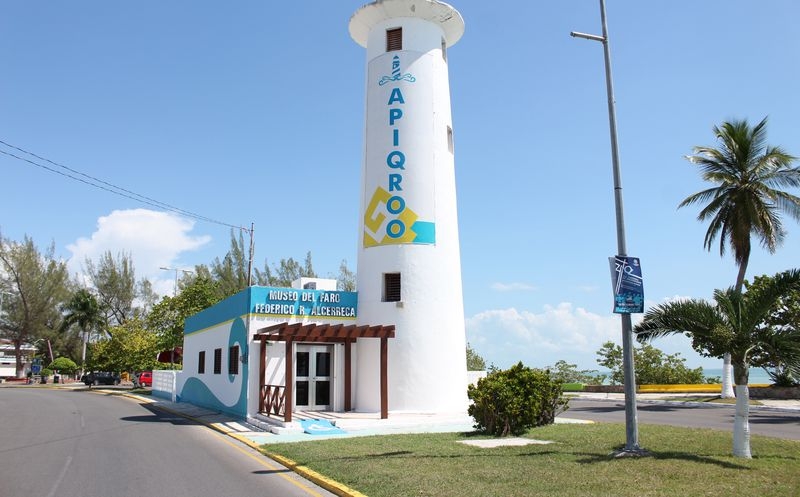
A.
pixel 409 265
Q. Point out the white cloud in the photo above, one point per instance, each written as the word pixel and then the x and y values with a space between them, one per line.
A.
pixel 504 337
pixel 153 239
pixel 512 287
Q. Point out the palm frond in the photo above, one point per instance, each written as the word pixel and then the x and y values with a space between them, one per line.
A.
pixel 695 316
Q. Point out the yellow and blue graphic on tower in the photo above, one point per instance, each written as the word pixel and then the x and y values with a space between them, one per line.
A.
pixel 399 168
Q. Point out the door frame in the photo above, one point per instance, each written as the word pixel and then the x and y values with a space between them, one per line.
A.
pixel 313 349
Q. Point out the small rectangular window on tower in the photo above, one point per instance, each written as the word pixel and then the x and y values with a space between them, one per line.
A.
pixel 391 287
pixel 394 39
pixel 450 139
pixel 444 49
pixel 201 362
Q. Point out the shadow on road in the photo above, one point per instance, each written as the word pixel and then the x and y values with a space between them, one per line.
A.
pixel 160 416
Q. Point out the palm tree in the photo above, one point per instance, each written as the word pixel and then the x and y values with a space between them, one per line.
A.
pixel 747 199
pixel 84 311
pixel 735 325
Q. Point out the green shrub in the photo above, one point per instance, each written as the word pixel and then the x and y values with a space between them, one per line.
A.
pixel 653 367
pixel 47 372
pixel 782 377
pixel 569 373
pixel 514 400
pixel 63 365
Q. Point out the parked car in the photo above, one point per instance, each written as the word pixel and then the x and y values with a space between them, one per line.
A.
pixel 101 378
pixel 143 379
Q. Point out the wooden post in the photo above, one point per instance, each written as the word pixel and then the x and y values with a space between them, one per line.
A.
pixel 262 375
pixel 289 388
pixel 384 378
pixel 348 357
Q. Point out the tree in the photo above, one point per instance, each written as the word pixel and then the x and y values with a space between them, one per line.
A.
pixel 63 365
pixel 653 367
pixel 131 347
pixel 114 279
pixel 230 273
pixel 83 311
pixel 474 360
pixel 290 270
pixel 147 296
pixel 166 319
pixel 735 324
pixel 569 373
pixel 786 317
pixel 346 280
pixel 32 286
pixel 747 199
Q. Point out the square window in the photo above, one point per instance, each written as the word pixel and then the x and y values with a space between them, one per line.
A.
pixel 394 39
pixel 391 287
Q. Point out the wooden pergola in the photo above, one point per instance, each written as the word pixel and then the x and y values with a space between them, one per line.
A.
pixel 272 400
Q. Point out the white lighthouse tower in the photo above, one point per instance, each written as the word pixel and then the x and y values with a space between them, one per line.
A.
pixel 409 265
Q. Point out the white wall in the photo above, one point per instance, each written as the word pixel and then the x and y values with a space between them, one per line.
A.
pixel 427 358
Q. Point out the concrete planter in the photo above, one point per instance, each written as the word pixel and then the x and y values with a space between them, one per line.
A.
pixel 775 393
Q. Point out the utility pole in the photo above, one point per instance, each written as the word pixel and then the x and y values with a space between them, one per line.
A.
pixel 252 251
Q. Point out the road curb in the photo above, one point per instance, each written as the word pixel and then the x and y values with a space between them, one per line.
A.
pixel 307 473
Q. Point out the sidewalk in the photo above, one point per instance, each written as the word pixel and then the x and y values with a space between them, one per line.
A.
pixel 354 426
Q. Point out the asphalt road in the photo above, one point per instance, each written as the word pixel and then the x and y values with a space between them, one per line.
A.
pixel 82 444
pixel 779 424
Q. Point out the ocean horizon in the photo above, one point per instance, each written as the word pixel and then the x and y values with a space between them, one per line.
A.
pixel 757 375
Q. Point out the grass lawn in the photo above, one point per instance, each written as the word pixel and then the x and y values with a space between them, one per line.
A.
pixel 684 462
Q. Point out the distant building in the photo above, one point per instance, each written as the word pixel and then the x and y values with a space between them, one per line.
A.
pixel 8 360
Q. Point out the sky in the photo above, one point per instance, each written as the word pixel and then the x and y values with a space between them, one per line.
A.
pixel 252 112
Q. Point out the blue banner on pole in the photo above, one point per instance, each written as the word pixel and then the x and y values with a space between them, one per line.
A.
pixel 626 278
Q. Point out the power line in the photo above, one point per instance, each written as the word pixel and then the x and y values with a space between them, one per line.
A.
pixel 76 175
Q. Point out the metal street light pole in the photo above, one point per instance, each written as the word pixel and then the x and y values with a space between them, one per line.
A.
pixel 175 286
pixel 631 422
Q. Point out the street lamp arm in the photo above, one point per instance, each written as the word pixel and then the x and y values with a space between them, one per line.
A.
pixel 184 271
pixel 576 34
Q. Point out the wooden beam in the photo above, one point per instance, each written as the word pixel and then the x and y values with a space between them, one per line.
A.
pixel 289 390
pixel 262 375
pixel 384 378
pixel 348 357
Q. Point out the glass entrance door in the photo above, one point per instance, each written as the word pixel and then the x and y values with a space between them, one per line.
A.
pixel 313 387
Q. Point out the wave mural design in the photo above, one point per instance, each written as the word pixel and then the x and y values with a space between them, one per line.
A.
pixel 233 397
